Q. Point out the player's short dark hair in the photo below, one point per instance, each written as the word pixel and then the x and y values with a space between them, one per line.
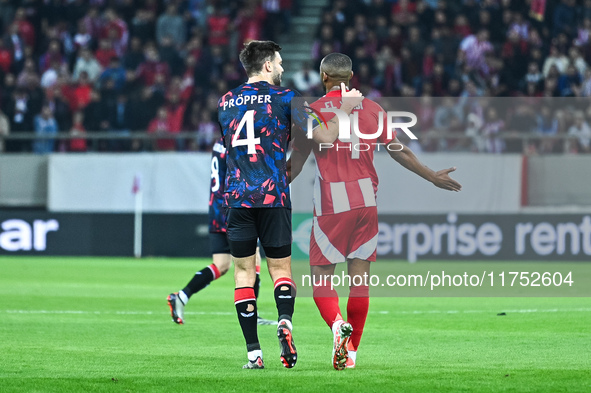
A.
pixel 255 54
pixel 337 66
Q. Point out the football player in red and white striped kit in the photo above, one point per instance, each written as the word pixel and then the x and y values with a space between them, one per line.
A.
pixel 345 224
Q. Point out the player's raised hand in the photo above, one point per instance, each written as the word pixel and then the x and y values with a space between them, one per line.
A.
pixel 443 180
pixel 351 98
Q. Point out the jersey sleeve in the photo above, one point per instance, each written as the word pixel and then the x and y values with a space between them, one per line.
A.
pixel 300 115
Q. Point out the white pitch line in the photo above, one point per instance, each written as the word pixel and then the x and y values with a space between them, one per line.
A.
pixel 111 312
pixel 551 310
pixel 412 312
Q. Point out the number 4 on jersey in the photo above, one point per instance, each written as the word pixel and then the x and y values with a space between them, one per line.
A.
pixel 250 140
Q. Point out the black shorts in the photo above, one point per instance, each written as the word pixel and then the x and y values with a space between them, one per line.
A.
pixel 218 243
pixel 272 226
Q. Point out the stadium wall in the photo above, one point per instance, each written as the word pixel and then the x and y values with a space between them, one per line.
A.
pixel 559 180
pixel 177 183
pixel 23 180
pixel 492 184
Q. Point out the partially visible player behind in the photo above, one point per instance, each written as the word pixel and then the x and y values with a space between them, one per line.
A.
pixel 218 243
pixel 256 120
pixel 345 222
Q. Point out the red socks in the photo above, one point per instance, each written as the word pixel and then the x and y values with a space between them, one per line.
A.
pixel 327 301
pixel 357 308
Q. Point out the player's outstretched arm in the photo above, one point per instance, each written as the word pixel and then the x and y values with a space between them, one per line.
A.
pixel 407 159
pixel 351 99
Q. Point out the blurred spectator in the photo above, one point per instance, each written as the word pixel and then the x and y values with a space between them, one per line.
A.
pixel 15 43
pixel 80 93
pixel 533 74
pixel 218 25
pixel 152 66
pixel 28 78
pixel 576 59
pixel 25 28
pixel 546 125
pixel 114 72
pixel 87 63
pixel 142 108
pixel 404 13
pixel 555 59
pixel 21 119
pixel 49 77
pixel 142 25
pixel 45 125
pixel 105 52
pixel 172 26
pixel 59 108
pixel 160 126
pixel 249 22
pixel 92 21
pixel 115 31
pixel 586 84
pixel 95 115
pixel 170 56
pixel 134 56
pixel 569 83
pixel 176 113
pixel 273 18
pixel 82 38
pixel 4 130
pixel 120 122
pixel 476 47
pixel 565 15
pixel 6 13
pixel 52 56
pixel 515 54
pixel 5 57
pixel 473 130
pixel 447 116
pixel 582 131
pixel 493 126
pixel 583 33
pixel 306 81
pixel 207 131
pixel 77 144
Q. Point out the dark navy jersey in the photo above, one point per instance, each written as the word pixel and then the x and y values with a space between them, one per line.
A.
pixel 217 210
pixel 256 123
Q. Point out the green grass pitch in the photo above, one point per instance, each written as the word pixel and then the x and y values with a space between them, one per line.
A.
pixel 102 325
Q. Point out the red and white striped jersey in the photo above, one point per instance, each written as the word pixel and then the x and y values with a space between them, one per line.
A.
pixel 346 178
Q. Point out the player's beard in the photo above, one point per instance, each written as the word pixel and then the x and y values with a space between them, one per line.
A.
pixel 276 78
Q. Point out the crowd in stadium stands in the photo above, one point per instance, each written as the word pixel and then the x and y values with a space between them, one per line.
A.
pixel 123 67
pixel 471 48
pixel 127 67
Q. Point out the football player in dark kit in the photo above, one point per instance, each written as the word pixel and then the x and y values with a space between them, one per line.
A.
pixel 256 120
pixel 218 243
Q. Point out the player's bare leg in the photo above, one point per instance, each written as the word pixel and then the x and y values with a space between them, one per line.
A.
pixel 285 292
pixel 327 301
pixel 257 286
pixel 178 300
pixel 246 307
pixel 357 305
